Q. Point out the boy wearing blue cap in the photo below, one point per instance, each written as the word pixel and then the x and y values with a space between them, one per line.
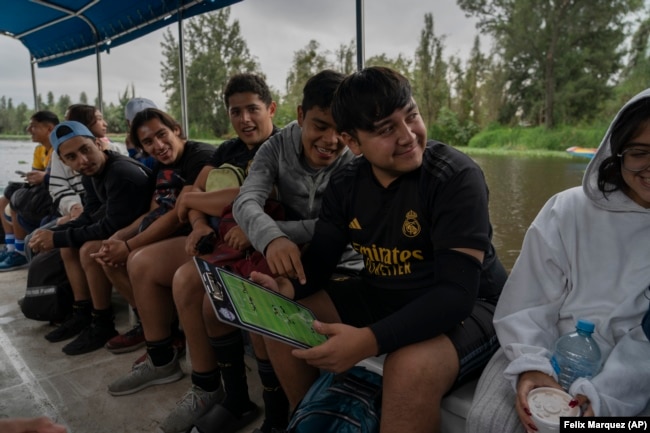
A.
pixel 114 182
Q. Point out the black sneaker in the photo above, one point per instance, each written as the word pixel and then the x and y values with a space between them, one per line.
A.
pixel 90 339
pixel 69 328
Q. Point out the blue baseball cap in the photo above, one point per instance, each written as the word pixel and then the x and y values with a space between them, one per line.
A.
pixel 64 131
pixel 136 105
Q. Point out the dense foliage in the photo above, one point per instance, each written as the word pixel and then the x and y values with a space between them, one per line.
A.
pixel 555 69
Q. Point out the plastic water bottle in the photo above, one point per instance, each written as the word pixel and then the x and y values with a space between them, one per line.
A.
pixel 576 354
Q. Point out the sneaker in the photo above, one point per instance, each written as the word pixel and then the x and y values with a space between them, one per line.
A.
pixel 178 344
pixel 145 375
pixel 131 340
pixel 189 408
pixel 89 340
pixel 220 419
pixel 13 261
pixel 70 328
pixel 4 253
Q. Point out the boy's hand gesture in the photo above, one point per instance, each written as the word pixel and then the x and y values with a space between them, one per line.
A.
pixel 283 257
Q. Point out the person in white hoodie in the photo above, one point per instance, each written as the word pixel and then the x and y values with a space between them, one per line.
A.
pixel 585 256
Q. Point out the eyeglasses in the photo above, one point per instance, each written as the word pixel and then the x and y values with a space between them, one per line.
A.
pixel 635 160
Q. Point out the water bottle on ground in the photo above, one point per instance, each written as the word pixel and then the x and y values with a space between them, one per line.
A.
pixel 576 354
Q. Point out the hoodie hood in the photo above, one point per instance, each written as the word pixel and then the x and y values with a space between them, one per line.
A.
pixel 617 200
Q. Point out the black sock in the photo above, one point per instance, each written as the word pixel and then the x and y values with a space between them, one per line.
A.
pixel 210 381
pixel 82 308
pixel 230 355
pixel 161 352
pixel 276 405
pixel 103 318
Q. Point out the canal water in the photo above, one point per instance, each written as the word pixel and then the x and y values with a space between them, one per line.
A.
pixel 14 155
pixel 519 187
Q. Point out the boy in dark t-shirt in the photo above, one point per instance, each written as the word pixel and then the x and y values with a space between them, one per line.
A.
pixel 250 109
pixel 179 161
pixel 417 211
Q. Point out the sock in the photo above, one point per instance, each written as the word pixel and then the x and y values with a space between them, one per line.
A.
pixel 82 308
pixel 161 352
pixel 20 246
pixel 276 405
pixel 210 381
pixel 103 318
pixel 230 353
pixel 10 242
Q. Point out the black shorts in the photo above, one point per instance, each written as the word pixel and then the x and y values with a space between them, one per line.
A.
pixel 474 339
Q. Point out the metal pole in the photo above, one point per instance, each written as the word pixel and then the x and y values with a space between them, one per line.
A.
pixel 100 93
pixel 360 36
pixel 31 63
pixel 181 59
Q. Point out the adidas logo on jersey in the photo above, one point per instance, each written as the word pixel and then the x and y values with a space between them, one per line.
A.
pixel 354 224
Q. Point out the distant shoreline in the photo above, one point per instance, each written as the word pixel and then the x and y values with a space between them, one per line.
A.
pixel 467 150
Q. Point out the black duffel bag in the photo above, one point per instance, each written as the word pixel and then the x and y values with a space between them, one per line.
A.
pixel 49 295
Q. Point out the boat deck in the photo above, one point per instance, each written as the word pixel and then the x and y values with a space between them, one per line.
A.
pixel 36 378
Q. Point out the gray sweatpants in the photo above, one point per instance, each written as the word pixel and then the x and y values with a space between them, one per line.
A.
pixel 493 407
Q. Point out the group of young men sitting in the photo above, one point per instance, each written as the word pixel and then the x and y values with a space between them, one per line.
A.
pixel 349 209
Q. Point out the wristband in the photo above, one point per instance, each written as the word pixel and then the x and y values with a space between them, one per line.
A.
pixel 127 246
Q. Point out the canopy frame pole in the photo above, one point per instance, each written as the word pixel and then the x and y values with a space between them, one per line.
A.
pixel 360 36
pixel 100 93
pixel 181 69
pixel 31 64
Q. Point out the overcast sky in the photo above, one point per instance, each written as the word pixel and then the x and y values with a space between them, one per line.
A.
pixel 273 30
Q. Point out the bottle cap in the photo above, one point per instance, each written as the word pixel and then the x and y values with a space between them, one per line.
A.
pixel 585 325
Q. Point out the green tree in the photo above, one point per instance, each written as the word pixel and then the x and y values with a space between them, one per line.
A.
pixel 635 74
pixel 496 106
pixel 430 86
pixel 345 58
pixel 307 61
pixel 50 105
pixel 469 103
pixel 215 50
pixel 62 105
pixel 4 115
pixel 170 74
pixel 83 98
pixel 400 64
pixel 560 55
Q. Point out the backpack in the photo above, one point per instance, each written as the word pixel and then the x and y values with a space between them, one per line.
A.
pixel 349 402
pixel 33 203
pixel 48 295
pixel 224 176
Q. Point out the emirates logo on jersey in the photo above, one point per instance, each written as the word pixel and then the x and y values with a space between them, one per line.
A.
pixel 411 227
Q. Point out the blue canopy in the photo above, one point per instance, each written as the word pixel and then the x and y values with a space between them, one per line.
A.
pixel 58 31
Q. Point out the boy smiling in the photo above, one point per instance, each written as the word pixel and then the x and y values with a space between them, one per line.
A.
pixel 416 210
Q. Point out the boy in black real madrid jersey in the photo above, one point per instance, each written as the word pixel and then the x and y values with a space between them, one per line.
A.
pixel 417 211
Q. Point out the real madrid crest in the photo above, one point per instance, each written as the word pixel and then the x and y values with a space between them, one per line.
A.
pixel 411 227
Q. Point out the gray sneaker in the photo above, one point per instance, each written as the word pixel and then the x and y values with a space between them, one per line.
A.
pixel 189 408
pixel 146 374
